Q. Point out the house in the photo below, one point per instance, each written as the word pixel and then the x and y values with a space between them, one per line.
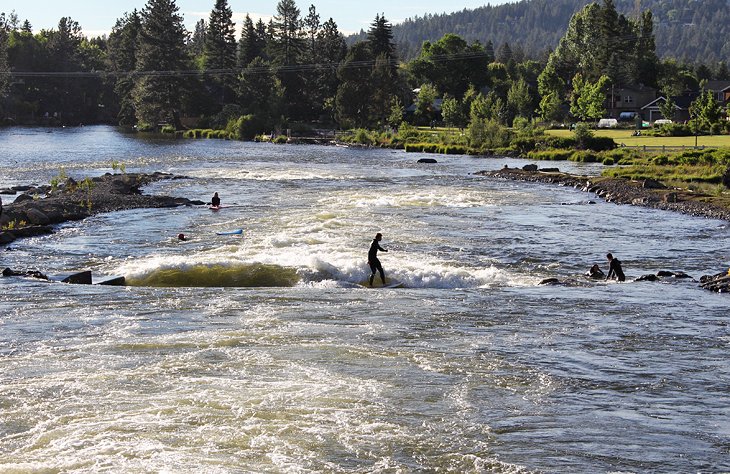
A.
pixel 628 101
pixel 720 90
pixel 651 111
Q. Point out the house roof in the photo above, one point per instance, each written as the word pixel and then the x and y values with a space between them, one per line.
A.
pixel 681 102
pixel 717 85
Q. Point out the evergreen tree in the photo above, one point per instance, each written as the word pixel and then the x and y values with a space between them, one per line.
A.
pixel 489 52
pixel 647 62
pixel 352 103
pixel 248 45
pixel 383 90
pixel 4 68
pixel 504 55
pixel 287 33
pixel 161 56
pixel 220 51
pixel 196 45
pixel 380 40
pixel 122 56
pixel 261 93
pixel 312 28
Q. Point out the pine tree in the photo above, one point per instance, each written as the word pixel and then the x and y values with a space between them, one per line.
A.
pixel 220 51
pixel 161 56
pixel 489 52
pixel 287 33
pixel 353 94
pixel 122 55
pixel 249 44
pixel 380 39
pixel 196 45
pixel 4 68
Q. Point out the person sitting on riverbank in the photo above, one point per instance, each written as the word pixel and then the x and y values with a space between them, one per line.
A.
pixel 614 268
pixel 595 272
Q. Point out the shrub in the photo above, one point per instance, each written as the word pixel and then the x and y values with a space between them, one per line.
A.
pixel 244 127
pixel 599 143
pixel 550 155
pixel 608 161
pixel 583 156
pixel 168 129
pixel 280 139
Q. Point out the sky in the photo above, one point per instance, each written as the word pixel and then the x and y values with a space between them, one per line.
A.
pixel 97 17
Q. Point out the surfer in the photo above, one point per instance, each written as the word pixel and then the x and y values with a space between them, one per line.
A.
pixel 614 268
pixel 215 201
pixel 595 272
pixel 373 261
pixel 181 237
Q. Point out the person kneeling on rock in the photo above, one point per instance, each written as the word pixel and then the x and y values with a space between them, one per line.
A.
pixel 595 272
pixel 614 268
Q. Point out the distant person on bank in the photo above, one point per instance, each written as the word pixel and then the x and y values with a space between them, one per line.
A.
pixel 614 269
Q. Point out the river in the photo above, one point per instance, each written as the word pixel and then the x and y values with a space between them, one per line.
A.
pixel 261 352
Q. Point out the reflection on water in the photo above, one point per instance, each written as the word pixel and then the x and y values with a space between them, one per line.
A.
pixel 261 352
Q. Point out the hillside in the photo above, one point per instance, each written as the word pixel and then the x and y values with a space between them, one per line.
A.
pixel 687 30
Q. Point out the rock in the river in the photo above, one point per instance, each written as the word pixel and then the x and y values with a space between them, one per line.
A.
pixel 82 278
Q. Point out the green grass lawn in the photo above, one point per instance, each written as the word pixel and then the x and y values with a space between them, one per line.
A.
pixel 624 136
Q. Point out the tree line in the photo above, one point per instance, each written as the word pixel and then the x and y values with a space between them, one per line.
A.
pixel 149 72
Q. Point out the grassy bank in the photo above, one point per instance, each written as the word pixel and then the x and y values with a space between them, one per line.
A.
pixel 625 137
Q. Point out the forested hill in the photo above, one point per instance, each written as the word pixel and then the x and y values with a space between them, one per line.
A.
pixel 688 30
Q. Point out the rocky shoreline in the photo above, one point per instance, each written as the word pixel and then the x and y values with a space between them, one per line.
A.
pixel 38 208
pixel 647 193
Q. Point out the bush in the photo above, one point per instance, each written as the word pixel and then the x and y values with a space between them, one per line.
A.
pixel 608 161
pixel 280 139
pixel 599 143
pixel 674 130
pixel 550 155
pixel 244 127
pixel 168 129
pixel 583 156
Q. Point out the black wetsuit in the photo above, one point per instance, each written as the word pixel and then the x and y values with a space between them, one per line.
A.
pixel 614 269
pixel 374 263
pixel 215 202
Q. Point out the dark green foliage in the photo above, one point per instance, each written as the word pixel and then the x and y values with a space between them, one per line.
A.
pixel 157 97
pixel 451 65
pixel 695 33
pixel 220 52
pixel 122 56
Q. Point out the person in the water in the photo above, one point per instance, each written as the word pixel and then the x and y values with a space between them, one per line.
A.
pixel 215 201
pixel 614 269
pixel 375 265
pixel 595 272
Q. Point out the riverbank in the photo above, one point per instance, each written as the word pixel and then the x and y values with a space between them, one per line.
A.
pixel 647 193
pixel 38 208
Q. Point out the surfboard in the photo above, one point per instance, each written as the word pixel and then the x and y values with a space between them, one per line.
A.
pixel 390 284
pixel 231 232
pixel 215 208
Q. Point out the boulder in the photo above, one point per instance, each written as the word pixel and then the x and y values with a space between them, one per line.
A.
pixel 23 198
pixel 652 184
pixel 37 217
pixel 649 277
pixel 427 160
pixel 118 281
pixel 32 274
pixel 82 278
pixel 549 170
pixel 531 167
